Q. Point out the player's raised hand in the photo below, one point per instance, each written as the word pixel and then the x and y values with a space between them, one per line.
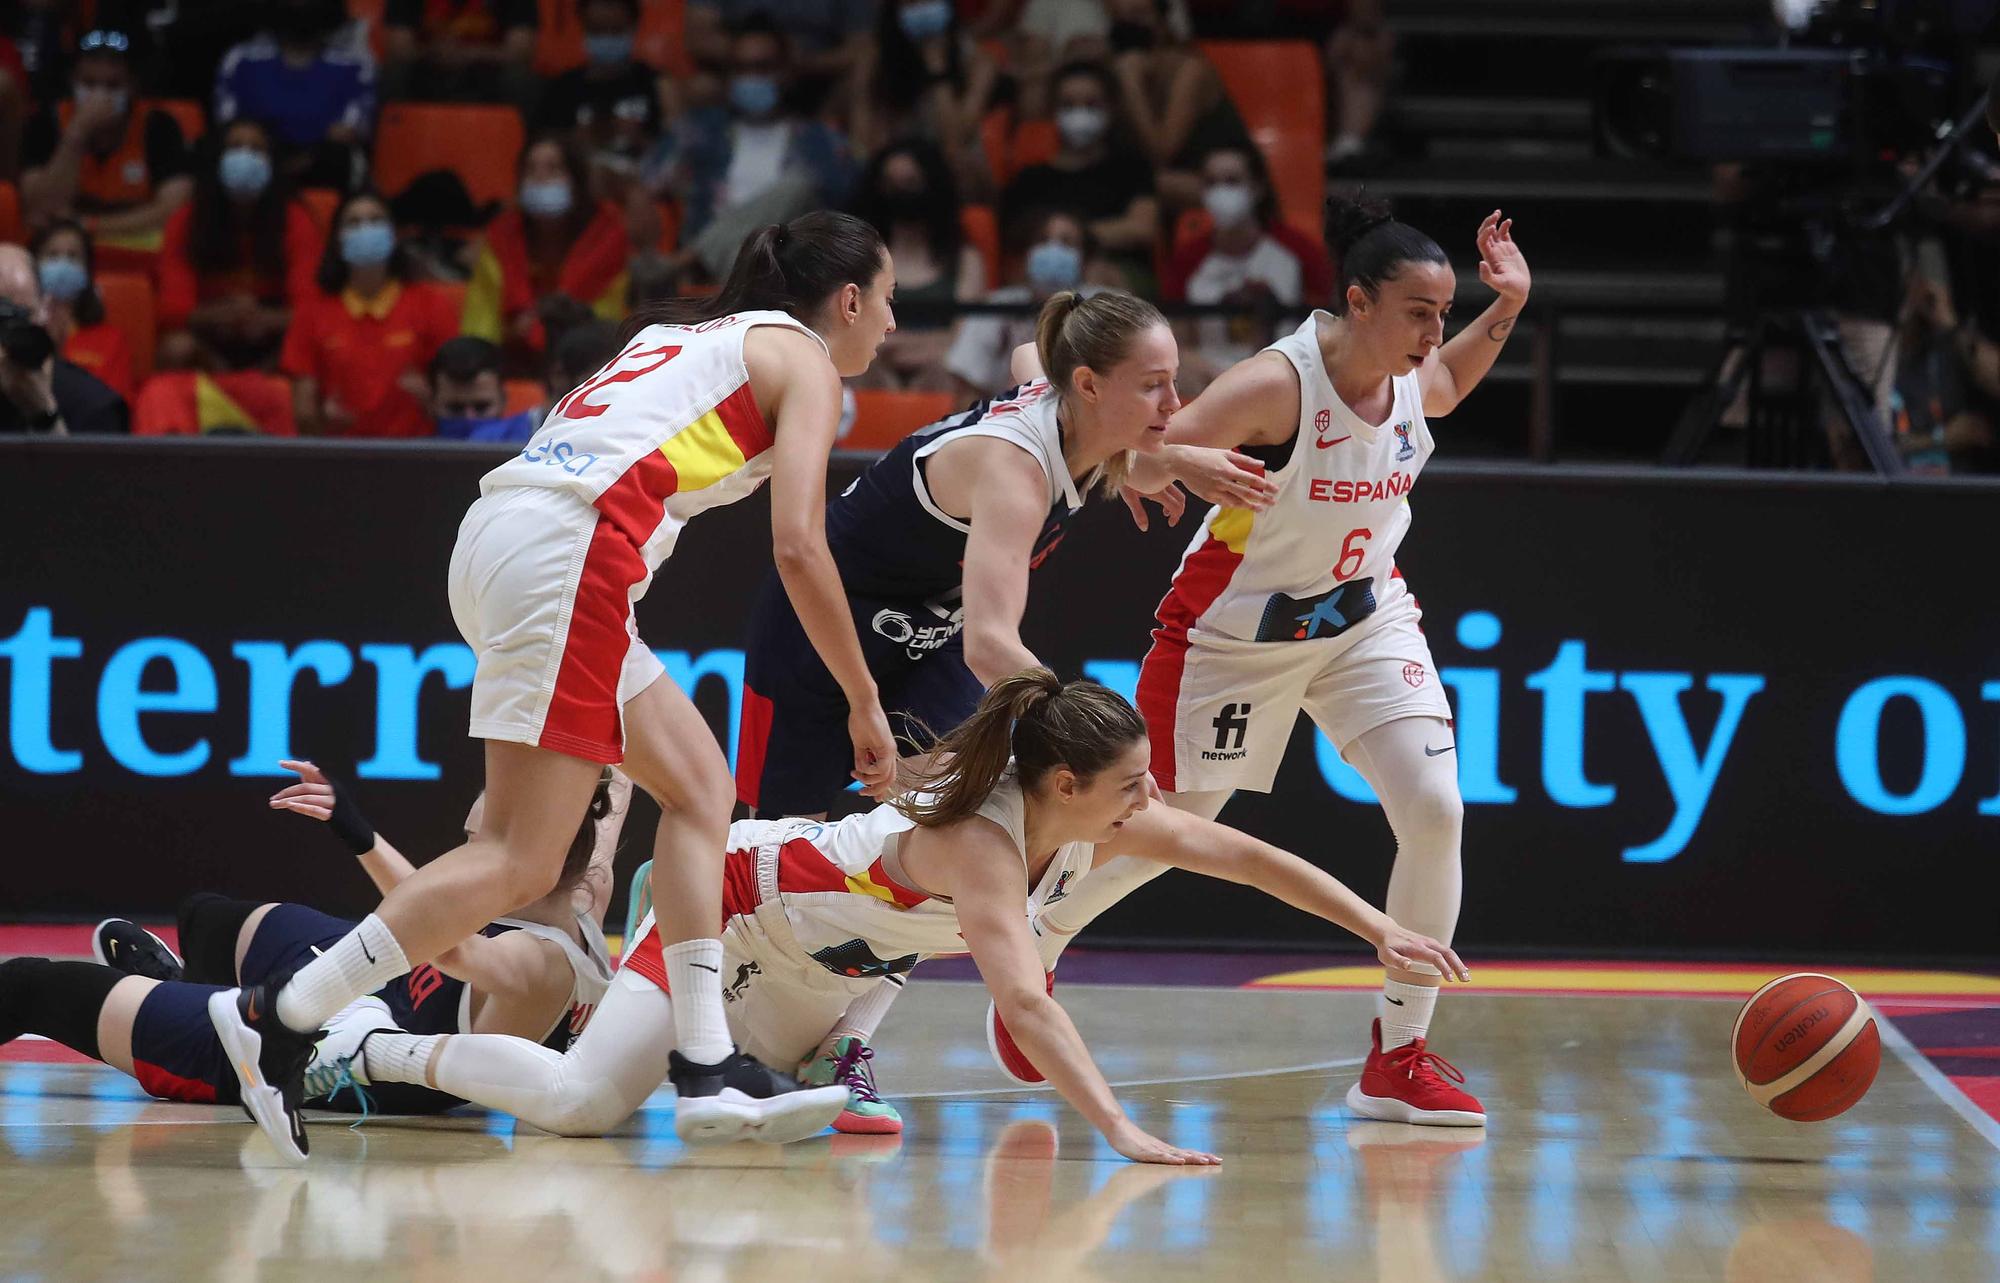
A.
pixel 1407 951
pixel 1501 264
pixel 322 797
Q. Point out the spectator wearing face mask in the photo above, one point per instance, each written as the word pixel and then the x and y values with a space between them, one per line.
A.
pixel 753 162
pixel 40 392
pixel 461 51
pixel 468 400
pixel 613 101
pixel 238 258
pixel 72 312
pixel 97 158
pixel 554 241
pixel 828 37
pixel 360 346
pixel 923 77
pixel 1251 259
pixel 1055 252
pixel 1173 97
pixel 318 99
pixel 909 197
pixel 1097 171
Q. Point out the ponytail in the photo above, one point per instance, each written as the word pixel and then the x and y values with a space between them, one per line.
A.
pixel 1039 722
pixel 783 267
pixel 1095 333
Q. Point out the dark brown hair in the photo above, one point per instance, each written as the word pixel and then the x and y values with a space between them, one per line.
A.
pixel 784 267
pixel 576 861
pixel 1369 246
pixel 1038 720
pixel 1095 333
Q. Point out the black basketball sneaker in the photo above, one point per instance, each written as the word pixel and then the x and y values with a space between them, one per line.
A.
pixel 744 1099
pixel 270 1060
pixel 130 948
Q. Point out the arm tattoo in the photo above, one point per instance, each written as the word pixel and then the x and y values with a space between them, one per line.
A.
pixel 1499 330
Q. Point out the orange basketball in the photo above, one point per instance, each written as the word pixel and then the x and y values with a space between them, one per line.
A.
pixel 1806 1047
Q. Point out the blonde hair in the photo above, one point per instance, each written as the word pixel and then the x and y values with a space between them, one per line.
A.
pixel 1034 718
pixel 1094 333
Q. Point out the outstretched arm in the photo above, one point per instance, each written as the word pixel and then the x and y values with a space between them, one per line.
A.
pixel 1204 846
pixel 988 885
pixel 1451 372
pixel 1008 509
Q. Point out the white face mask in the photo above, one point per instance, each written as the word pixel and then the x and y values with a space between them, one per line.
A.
pixel 1082 127
pixel 1229 204
pixel 117 98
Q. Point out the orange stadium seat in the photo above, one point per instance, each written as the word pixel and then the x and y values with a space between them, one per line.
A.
pixel 981 228
pixel 128 304
pixel 1035 142
pixel 883 417
pixel 12 230
pixel 1279 89
pixel 481 143
pixel 187 113
pixel 524 394
pixel 558 38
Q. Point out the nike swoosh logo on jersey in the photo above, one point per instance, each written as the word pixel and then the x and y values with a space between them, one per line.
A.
pixel 1324 444
pixel 1438 752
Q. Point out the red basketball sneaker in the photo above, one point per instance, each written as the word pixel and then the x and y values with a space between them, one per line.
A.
pixel 1408 1085
pixel 1009 1057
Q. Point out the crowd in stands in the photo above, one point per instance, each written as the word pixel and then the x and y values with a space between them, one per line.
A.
pixel 417 218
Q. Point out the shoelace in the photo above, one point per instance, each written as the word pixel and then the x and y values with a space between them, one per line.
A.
pixel 1413 1057
pixel 329 1079
pixel 852 1072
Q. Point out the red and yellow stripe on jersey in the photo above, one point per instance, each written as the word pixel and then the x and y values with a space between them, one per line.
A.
pixel 714 446
pixel 1203 576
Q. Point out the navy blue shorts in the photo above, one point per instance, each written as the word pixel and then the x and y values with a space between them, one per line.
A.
pixel 175 1053
pixel 290 936
pixel 793 754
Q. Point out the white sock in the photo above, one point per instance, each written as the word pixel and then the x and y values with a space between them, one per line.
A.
pixel 1406 1012
pixel 694 978
pixel 360 962
pixel 864 1015
pixel 395 1058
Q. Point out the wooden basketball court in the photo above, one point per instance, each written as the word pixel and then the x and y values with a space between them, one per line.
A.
pixel 1620 1148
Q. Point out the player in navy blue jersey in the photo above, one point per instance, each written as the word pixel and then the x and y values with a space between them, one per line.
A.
pixel 935 543
pixel 537 974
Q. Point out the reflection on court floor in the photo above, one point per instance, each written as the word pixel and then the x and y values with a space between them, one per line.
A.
pixel 1620 1148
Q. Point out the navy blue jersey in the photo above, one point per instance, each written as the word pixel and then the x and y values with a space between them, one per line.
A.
pixel 893 543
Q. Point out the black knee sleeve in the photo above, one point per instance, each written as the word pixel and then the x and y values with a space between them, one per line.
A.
pixel 209 924
pixel 58 1000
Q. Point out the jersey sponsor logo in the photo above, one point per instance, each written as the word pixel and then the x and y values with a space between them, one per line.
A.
pixel 855 958
pixel 1414 674
pixel 733 991
pixel 560 454
pixel 916 639
pixel 1327 490
pixel 1231 725
pixel 1404 450
pixel 1322 423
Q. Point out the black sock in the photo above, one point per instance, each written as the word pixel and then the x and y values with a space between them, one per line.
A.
pixel 58 1000
pixel 209 924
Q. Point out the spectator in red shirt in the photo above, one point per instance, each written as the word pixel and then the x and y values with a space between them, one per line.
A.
pixel 359 346
pixel 1251 259
pixel 237 259
pixel 555 244
pixel 73 314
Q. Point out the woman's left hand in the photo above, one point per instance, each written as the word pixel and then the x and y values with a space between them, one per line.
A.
pixel 1501 265
pixel 1405 950
pixel 1172 501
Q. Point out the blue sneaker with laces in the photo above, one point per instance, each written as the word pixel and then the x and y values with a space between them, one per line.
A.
pixel 846 1063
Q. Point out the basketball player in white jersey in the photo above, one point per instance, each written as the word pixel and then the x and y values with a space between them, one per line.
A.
pixel 1043 780
pixel 1300 607
pixel 697 411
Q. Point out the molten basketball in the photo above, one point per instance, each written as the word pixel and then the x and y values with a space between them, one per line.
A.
pixel 1806 1047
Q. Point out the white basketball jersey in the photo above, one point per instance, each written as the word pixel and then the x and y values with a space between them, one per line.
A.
pixel 589 964
pixel 835 881
pixel 667 429
pixel 1340 513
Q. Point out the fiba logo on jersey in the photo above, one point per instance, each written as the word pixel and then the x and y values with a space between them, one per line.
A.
pixel 1231 725
pixel 1404 450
